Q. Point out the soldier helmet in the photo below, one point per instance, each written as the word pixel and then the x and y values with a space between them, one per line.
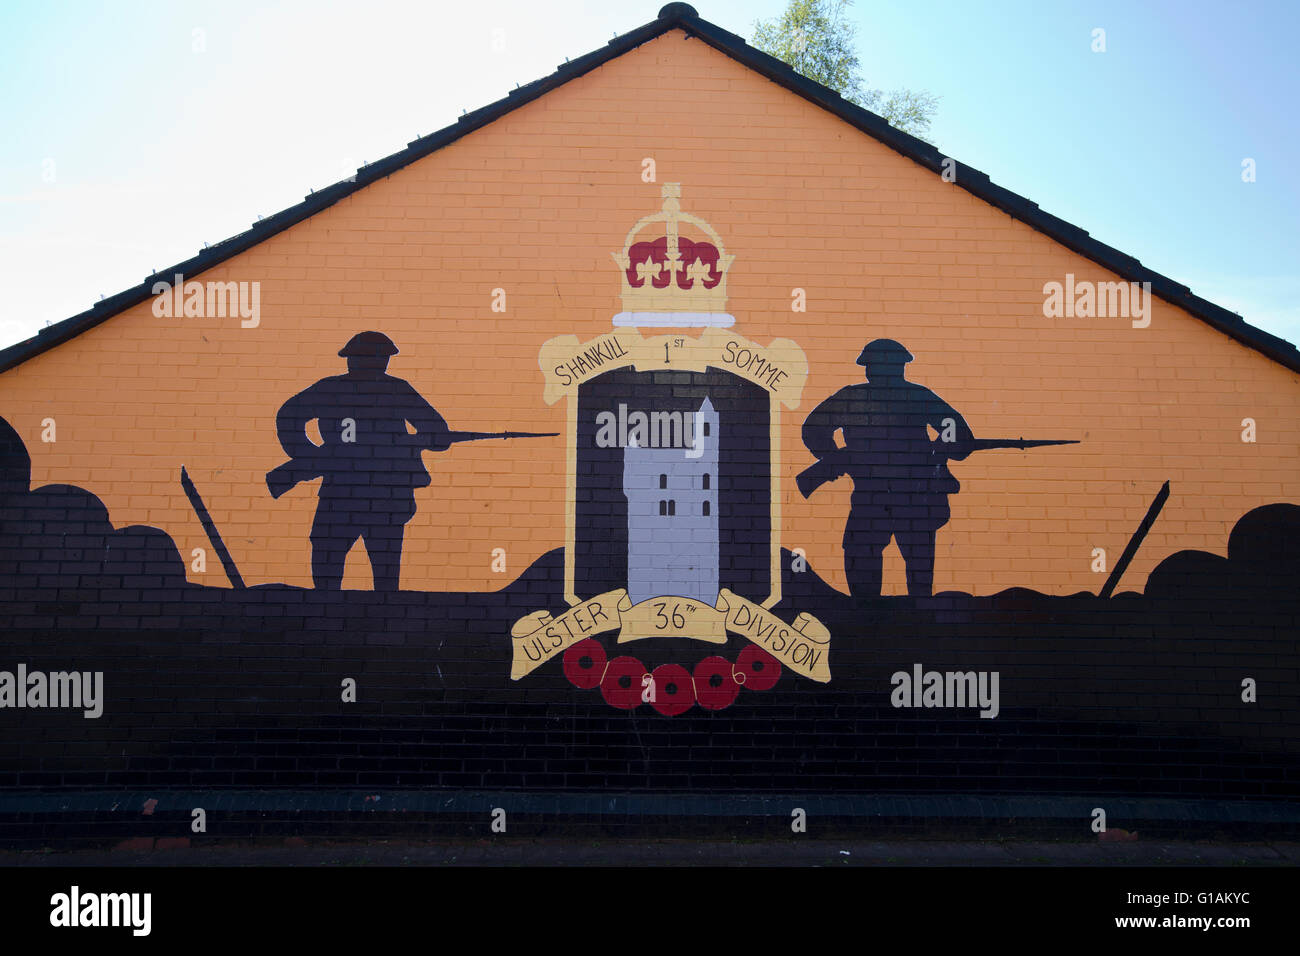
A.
pixel 371 344
pixel 885 351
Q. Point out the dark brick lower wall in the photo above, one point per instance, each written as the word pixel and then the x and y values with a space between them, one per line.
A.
pixel 218 691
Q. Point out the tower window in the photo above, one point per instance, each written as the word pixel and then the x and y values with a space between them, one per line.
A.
pixel 672 506
pixel 663 481
pixel 706 506
pixel 706 481
pixel 663 507
pixel 706 429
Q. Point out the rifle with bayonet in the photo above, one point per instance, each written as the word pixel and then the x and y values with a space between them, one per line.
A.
pixel 837 463
pixel 283 477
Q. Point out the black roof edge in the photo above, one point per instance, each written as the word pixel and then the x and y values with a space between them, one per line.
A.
pixel 677 16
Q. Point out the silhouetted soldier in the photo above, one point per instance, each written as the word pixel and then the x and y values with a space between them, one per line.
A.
pixel 370 461
pixel 901 481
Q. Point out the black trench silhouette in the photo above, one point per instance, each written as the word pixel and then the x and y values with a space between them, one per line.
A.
pixel 901 480
pixel 369 459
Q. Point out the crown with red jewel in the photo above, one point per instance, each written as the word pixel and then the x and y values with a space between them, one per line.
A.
pixel 674 270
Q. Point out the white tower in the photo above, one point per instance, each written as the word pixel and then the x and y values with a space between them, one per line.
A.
pixel 672 514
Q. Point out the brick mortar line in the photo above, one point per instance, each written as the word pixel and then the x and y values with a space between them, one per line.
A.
pixel 460 802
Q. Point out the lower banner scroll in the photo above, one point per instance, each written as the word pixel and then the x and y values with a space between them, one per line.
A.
pixel 803 645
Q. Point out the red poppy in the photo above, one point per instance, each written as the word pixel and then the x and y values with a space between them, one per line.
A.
pixel 621 687
pixel 673 691
pixel 715 685
pixel 760 668
pixel 584 663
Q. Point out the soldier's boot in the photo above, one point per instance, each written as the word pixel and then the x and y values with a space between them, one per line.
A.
pixel 917 548
pixel 864 565
pixel 333 534
pixel 329 555
pixel 384 545
pixel 327 560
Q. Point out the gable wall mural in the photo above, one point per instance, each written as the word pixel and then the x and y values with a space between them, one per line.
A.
pixel 778 446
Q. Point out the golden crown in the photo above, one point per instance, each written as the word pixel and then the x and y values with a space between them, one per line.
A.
pixel 670 278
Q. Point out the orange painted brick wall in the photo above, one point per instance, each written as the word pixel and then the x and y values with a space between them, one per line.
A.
pixel 534 204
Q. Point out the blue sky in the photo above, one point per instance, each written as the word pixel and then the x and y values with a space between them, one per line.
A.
pixel 136 131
